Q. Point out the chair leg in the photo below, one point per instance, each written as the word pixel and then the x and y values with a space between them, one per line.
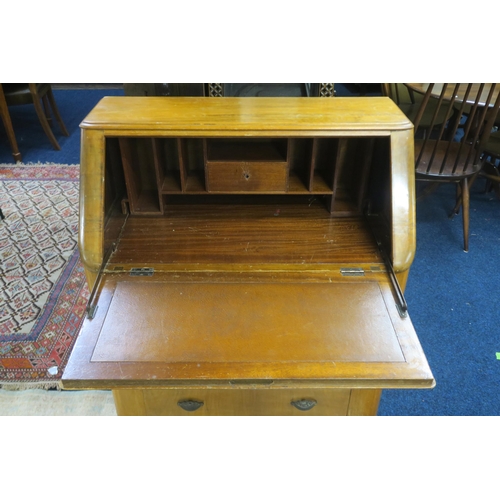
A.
pixel 44 122
pixel 458 201
pixel 456 208
pixel 46 108
pixel 492 175
pixel 4 113
pixel 55 110
pixel 427 190
pixel 473 179
pixel 465 212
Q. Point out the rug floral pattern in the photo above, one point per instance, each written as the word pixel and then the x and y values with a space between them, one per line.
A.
pixel 43 293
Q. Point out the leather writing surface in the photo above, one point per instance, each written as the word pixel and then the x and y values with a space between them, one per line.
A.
pixel 247 323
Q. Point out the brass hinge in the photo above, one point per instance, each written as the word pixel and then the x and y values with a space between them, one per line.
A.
pixel 352 271
pixel 142 271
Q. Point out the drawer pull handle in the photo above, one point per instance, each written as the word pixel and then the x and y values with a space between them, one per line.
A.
pixel 304 404
pixel 190 404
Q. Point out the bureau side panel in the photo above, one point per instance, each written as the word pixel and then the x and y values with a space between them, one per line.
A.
pixel 91 216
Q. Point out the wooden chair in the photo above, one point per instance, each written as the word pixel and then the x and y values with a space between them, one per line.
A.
pixel 41 96
pixel 440 156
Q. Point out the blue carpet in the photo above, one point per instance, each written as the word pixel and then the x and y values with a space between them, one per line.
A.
pixel 452 299
pixel 452 295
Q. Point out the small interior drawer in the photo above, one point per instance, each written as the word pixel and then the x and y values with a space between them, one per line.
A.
pixel 245 176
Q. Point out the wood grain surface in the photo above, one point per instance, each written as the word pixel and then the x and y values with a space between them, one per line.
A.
pixel 281 232
pixel 233 116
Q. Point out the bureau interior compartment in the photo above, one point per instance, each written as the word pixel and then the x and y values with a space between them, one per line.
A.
pixel 250 231
pixel 138 159
pixel 333 184
pixel 246 150
pixel 337 170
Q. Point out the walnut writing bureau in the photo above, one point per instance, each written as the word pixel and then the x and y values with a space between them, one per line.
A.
pixel 247 256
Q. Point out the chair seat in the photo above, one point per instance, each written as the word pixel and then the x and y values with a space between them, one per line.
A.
pixel 19 93
pixel 452 169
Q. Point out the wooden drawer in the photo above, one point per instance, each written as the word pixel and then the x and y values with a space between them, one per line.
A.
pixel 249 401
pixel 247 177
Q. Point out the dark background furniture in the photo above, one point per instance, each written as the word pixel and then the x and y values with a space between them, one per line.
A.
pixel 232 89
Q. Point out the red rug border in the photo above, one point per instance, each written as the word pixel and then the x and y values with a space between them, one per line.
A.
pixel 19 378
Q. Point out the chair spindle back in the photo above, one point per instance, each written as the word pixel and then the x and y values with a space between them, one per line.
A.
pixel 442 151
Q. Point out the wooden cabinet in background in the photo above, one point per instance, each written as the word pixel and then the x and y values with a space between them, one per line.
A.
pixel 247 256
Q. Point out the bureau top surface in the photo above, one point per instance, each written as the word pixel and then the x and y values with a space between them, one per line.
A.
pixel 247 115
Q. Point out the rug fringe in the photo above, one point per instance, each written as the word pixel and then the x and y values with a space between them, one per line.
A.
pixel 24 386
pixel 38 164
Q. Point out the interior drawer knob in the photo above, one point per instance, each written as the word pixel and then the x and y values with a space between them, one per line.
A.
pixel 190 404
pixel 304 404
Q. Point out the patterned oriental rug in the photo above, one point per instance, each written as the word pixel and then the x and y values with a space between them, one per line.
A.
pixel 43 292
